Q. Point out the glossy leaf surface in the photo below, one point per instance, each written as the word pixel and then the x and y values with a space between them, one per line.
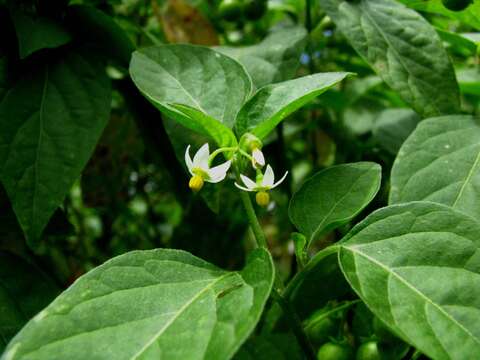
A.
pixel 416 266
pixel 333 196
pixel 403 48
pixel 148 305
pixel 440 162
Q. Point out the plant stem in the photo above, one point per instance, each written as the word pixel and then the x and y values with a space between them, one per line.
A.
pixel 289 311
pixel 253 220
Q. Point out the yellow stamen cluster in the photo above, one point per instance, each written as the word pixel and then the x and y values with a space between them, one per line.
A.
pixel 196 183
pixel 262 198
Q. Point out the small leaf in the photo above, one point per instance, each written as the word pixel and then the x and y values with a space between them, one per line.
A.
pixel 274 59
pixel 24 291
pixel 36 32
pixel 206 87
pixel 440 162
pixel 100 29
pixel 333 196
pixel 51 120
pixel 273 103
pixel 403 48
pixel 149 305
pixel 416 266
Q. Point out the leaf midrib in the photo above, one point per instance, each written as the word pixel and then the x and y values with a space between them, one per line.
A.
pixel 179 312
pixel 415 290
pixel 367 14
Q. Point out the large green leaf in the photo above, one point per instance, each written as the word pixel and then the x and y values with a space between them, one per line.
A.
pixel 273 103
pixel 440 162
pixel 274 59
pixel 416 266
pixel 208 88
pixel 24 291
pixel 37 32
pixel 51 120
pixel 333 197
pixel 100 29
pixel 470 16
pixel 403 48
pixel 153 304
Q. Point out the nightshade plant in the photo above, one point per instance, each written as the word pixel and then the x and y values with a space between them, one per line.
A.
pixel 379 157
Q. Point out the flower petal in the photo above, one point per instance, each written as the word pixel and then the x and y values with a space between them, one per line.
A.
pixel 219 172
pixel 242 188
pixel 268 177
pixel 188 160
pixel 258 157
pixel 200 159
pixel 280 181
pixel 248 182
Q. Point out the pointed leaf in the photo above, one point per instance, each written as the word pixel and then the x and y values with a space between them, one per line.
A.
pixel 273 103
pixel 403 48
pixel 416 266
pixel 440 162
pixel 194 77
pixel 51 120
pixel 333 196
pixel 149 305
pixel 274 59
pixel 37 32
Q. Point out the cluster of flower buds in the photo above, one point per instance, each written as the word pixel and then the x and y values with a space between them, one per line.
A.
pixel 250 147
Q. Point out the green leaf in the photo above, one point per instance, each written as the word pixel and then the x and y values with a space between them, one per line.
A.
pixel 403 48
pixel 51 120
pixel 196 86
pixel 469 16
pixel 469 81
pixel 333 196
pixel 152 304
pixel 462 42
pixel 273 103
pixel 274 59
pixel 37 32
pixel 416 266
pixel 97 27
pixel 392 128
pixel 24 291
pixel 440 162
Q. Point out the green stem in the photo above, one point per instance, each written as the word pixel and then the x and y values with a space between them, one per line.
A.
pixel 289 311
pixel 219 151
pixel 253 220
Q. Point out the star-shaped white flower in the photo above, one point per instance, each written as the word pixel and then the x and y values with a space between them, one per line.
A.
pixel 261 187
pixel 267 182
pixel 200 169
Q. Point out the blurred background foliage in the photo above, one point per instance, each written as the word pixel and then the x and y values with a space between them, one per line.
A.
pixel 133 193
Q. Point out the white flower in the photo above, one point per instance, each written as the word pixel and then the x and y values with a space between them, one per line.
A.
pixel 267 182
pixel 200 169
pixel 261 187
pixel 257 158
